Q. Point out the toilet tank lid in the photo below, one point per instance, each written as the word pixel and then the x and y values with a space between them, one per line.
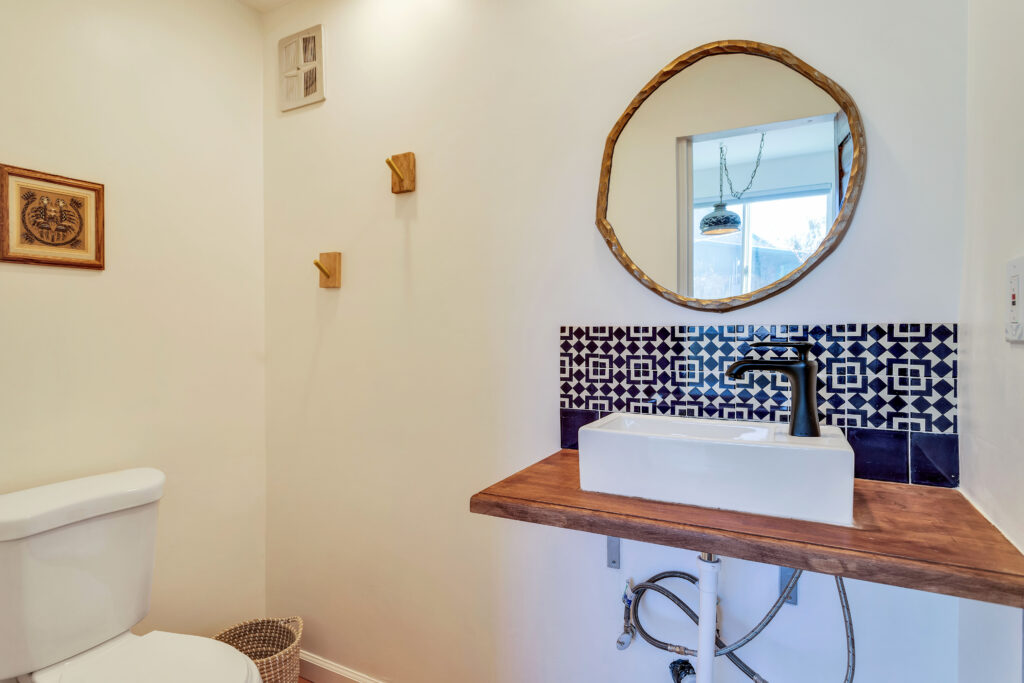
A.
pixel 33 511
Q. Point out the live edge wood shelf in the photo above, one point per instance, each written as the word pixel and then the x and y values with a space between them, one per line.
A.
pixel 927 538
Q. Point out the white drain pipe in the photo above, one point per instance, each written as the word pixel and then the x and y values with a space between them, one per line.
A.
pixel 708 567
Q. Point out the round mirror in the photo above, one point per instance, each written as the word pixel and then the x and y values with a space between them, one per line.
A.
pixel 731 175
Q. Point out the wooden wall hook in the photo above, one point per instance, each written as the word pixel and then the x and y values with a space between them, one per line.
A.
pixel 403 172
pixel 329 265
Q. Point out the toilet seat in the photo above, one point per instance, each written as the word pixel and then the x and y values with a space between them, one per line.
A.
pixel 156 657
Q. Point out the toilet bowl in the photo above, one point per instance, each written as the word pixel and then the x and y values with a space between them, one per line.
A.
pixel 156 657
pixel 76 568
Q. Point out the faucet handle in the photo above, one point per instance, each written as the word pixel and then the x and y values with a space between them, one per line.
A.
pixel 801 348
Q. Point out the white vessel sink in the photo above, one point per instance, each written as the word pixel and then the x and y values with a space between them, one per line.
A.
pixel 746 466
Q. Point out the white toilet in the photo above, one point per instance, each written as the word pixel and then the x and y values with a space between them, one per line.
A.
pixel 76 567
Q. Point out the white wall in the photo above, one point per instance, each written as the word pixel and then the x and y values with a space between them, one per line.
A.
pixel 158 360
pixel 991 369
pixel 432 372
pixel 990 643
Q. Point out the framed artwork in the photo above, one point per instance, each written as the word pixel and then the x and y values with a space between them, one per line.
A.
pixel 50 220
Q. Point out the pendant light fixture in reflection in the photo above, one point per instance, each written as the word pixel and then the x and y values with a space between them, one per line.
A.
pixel 721 221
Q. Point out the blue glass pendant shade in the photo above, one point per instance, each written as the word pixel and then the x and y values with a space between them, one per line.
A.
pixel 721 221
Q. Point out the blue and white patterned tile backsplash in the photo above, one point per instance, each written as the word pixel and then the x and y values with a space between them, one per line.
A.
pixel 896 379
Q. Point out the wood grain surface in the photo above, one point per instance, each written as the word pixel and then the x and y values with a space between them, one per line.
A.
pixel 920 537
pixel 331 260
pixel 406 163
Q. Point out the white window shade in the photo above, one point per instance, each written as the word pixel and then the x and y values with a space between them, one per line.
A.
pixel 301 68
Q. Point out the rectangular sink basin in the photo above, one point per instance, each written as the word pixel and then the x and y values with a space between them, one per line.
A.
pixel 752 467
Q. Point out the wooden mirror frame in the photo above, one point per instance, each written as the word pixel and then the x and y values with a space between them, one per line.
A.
pixel 839 226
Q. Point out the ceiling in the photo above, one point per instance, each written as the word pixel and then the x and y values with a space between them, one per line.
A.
pixel 265 5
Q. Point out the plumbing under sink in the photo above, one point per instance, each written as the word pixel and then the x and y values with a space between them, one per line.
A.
pixel 754 467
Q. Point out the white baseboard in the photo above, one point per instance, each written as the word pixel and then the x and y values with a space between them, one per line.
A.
pixel 319 670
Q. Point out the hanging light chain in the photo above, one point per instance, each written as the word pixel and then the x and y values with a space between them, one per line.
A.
pixel 721 172
pixel 722 149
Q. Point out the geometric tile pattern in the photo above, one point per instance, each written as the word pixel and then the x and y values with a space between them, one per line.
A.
pixel 898 377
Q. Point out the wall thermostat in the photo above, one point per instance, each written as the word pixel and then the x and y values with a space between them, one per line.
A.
pixel 1014 323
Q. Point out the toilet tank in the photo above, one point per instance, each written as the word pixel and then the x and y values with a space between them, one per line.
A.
pixel 76 565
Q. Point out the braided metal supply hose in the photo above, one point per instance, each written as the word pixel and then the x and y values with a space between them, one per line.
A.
pixel 651 584
pixel 632 619
pixel 851 650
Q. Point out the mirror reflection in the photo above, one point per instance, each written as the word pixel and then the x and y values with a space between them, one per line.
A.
pixel 729 176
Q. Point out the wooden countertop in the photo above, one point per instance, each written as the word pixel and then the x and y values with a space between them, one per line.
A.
pixel 921 537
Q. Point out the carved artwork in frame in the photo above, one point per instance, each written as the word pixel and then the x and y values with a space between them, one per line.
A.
pixel 50 220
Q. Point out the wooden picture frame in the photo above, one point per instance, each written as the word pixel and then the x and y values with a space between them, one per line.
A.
pixel 854 185
pixel 51 220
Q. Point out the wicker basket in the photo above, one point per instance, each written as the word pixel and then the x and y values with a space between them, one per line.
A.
pixel 272 643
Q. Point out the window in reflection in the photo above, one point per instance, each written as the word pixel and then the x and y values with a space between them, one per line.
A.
pixel 780 231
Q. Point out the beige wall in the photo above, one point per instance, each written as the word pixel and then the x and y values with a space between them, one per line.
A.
pixel 992 369
pixel 159 360
pixel 432 372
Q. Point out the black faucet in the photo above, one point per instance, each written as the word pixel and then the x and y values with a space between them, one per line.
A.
pixel 803 377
